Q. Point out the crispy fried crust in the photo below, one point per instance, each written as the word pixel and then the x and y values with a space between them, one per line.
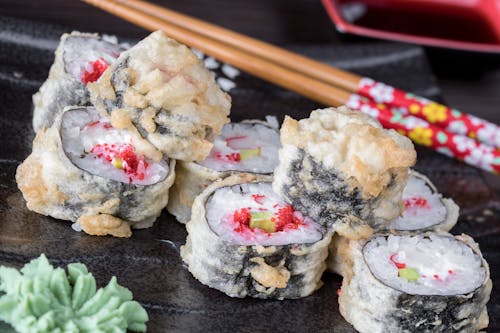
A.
pixel 52 185
pixel 163 90
pixel 277 272
pixel 339 163
pixel 352 143
pixel 371 306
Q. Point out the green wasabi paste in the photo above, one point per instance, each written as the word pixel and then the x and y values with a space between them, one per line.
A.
pixel 41 298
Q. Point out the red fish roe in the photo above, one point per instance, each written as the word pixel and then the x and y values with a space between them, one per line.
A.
pixel 435 276
pixel 287 219
pixel 416 202
pixel 284 219
pixel 258 198
pixel 399 265
pixel 242 217
pixel 98 67
pixel 97 123
pixel 233 157
pixel 450 271
pixel 133 165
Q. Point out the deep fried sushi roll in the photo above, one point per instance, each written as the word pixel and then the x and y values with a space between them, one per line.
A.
pixel 246 241
pixel 340 163
pixel 80 58
pixel 424 283
pixel 163 90
pixel 425 210
pixel 84 170
pixel 250 146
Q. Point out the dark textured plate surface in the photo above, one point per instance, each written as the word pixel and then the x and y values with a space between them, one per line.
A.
pixel 149 262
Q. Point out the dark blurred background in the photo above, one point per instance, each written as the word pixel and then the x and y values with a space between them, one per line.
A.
pixel 468 80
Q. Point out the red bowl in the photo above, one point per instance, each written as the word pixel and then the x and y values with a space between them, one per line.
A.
pixel 472 25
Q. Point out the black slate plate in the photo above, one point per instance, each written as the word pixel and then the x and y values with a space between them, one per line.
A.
pixel 149 262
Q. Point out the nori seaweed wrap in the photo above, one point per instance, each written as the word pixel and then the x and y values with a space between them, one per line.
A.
pixel 340 163
pixel 425 283
pixel 245 241
pixel 106 180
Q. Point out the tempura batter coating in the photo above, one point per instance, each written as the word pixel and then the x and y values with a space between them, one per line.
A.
pixel 53 185
pixel 161 88
pixel 339 163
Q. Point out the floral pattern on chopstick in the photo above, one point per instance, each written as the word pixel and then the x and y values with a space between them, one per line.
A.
pixel 440 115
pixel 424 133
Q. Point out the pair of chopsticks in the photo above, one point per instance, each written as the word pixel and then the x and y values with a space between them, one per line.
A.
pixel 446 130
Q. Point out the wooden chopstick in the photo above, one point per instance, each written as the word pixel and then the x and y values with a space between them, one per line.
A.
pixel 311 68
pixel 317 81
pixel 430 135
pixel 269 71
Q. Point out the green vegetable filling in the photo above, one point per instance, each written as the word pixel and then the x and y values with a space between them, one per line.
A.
pixel 410 274
pixel 41 298
pixel 262 220
pixel 117 163
pixel 248 153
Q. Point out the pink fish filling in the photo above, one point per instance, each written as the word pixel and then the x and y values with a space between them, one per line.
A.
pixel 95 71
pixel 94 145
pixel 284 219
pixel 122 156
pixel 252 213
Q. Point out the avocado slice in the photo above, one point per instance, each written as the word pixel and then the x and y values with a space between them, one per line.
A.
pixel 117 163
pixel 410 274
pixel 262 220
pixel 247 153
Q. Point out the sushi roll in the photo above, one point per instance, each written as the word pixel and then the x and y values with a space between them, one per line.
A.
pixel 161 88
pixel 424 283
pixel 84 170
pixel 250 146
pixel 246 241
pixel 425 208
pixel 341 163
pixel 80 58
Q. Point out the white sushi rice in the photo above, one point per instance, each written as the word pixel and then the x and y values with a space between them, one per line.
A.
pixel 445 265
pixel 417 217
pixel 81 52
pixel 226 200
pixel 78 138
pixel 237 136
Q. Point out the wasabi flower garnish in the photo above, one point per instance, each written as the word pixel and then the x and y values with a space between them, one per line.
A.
pixel 41 298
